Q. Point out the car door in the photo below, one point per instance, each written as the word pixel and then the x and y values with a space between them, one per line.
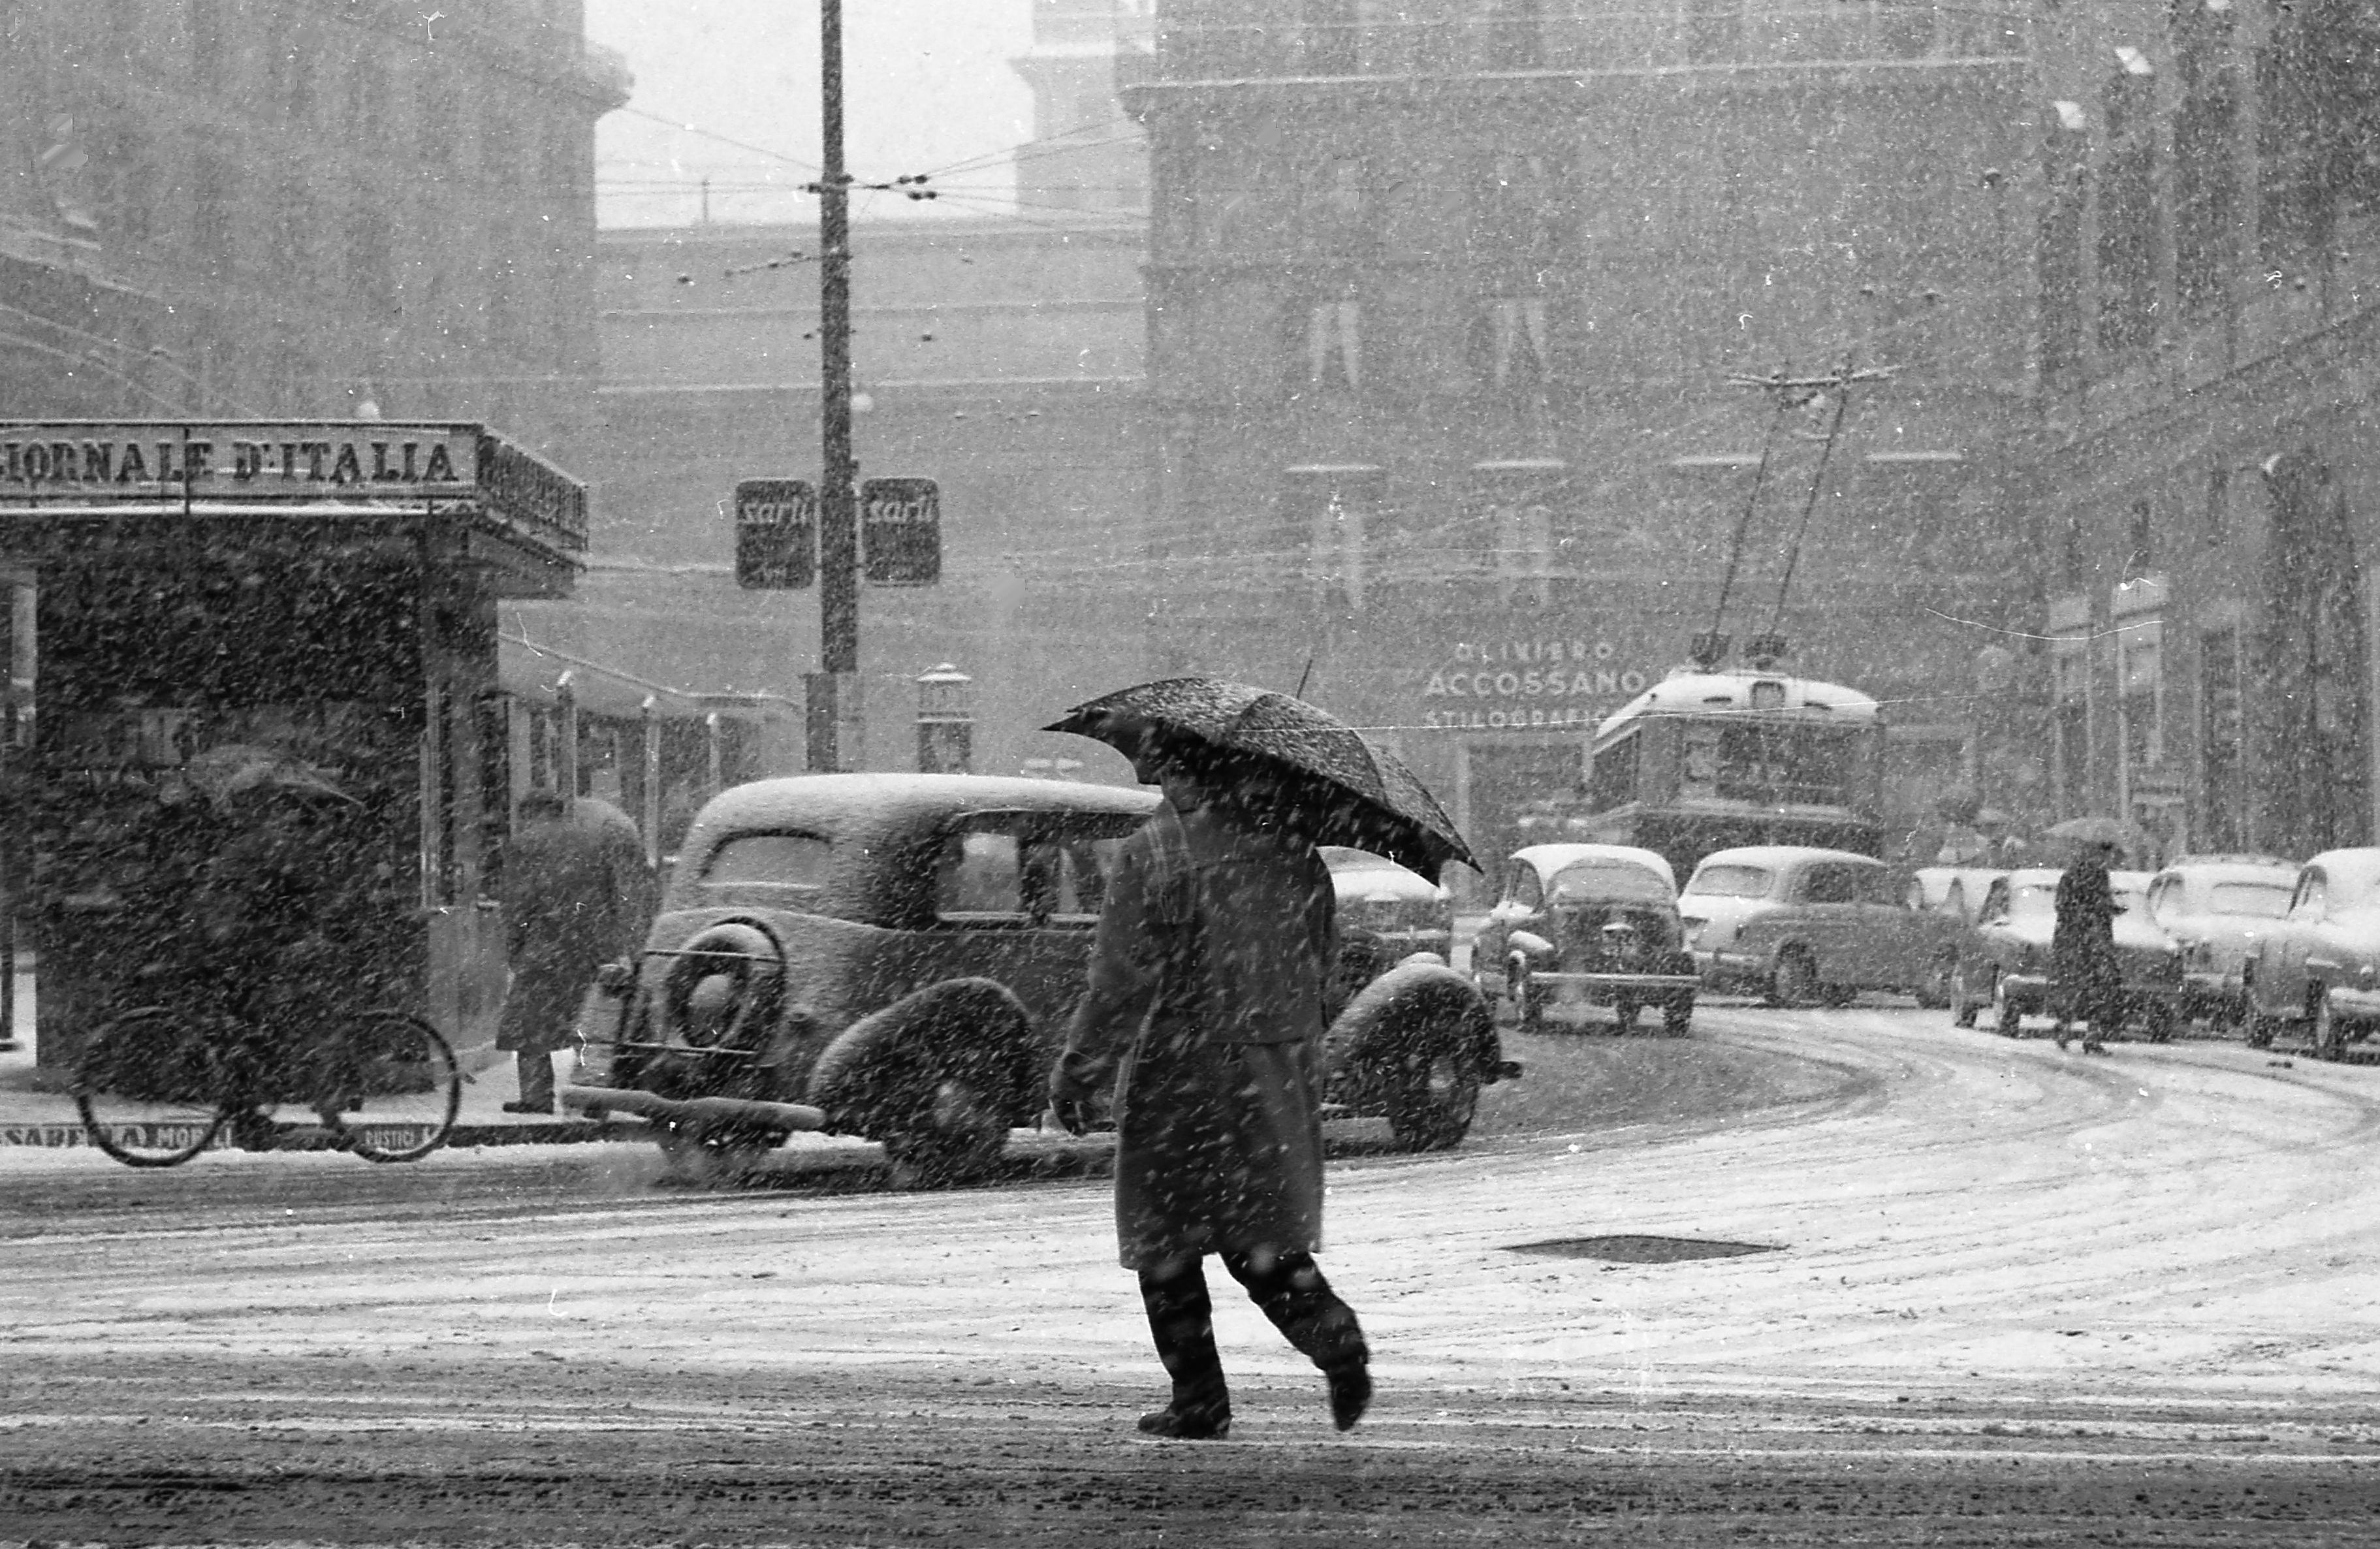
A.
pixel 1895 934
pixel 2281 969
pixel 1063 861
pixel 1823 909
pixel 1521 908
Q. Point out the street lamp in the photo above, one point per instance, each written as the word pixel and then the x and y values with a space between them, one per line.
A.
pixel 946 721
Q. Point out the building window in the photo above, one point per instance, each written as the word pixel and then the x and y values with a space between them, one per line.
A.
pixel 2059 256
pixel 2206 196
pixel 434 104
pixel 1512 348
pixel 1515 501
pixel 370 259
pixel 1335 509
pixel 2139 536
pixel 1522 209
pixel 2222 740
pixel 2069 687
pixel 2137 609
pixel 1335 211
pixel 2318 112
pixel 2128 216
pixel 1326 339
pixel 2218 504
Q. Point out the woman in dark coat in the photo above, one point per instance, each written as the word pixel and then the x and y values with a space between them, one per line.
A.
pixel 577 894
pixel 1205 1012
pixel 2082 948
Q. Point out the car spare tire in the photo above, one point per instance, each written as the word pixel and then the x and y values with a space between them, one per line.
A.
pixel 721 993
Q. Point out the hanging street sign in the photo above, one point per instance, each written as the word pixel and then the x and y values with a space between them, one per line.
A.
pixel 776 534
pixel 901 532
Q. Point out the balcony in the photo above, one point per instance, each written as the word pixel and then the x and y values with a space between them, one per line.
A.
pixel 1586 35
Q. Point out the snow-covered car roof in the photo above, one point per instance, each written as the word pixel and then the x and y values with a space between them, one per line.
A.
pixel 1358 874
pixel 1780 857
pixel 2353 875
pixel 1686 692
pixel 1551 860
pixel 882 828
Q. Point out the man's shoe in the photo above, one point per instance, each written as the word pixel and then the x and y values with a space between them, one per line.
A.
pixel 1194 1422
pixel 1351 1392
pixel 528 1107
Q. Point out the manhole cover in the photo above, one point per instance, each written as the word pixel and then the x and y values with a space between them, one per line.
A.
pixel 1631 1249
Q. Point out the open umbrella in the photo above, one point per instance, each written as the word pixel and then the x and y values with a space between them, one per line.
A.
pixel 2102 831
pixel 230 768
pixel 1360 794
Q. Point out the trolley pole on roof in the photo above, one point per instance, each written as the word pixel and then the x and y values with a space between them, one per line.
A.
pixel 835 728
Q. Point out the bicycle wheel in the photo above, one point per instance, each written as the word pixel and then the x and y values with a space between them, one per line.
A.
pixel 389 1087
pixel 149 1089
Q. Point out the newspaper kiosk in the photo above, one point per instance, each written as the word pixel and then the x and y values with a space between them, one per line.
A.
pixel 320 594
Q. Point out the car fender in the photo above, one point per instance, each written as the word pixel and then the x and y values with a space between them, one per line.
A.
pixel 1413 1000
pixel 980 1022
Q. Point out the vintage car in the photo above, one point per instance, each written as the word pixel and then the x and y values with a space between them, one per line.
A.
pixel 896 956
pixel 2217 907
pixel 1386 914
pixel 1957 891
pixel 1587 924
pixel 1803 925
pixel 2009 965
pixel 2317 970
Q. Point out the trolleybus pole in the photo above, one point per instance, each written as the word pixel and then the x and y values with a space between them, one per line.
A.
pixel 836 734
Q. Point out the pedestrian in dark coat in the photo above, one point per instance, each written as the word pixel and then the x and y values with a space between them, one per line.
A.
pixel 577 893
pixel 1205 1013
pixel 2082 948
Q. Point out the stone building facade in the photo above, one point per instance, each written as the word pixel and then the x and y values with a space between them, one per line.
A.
pixel 2208 477
pixel 1447 304
pixel 300 208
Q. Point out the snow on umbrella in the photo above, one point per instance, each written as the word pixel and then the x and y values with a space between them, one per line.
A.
pixel 1357 793
pixel 227 770
pixel 2101 831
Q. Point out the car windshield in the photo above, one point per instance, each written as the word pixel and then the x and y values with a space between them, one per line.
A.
pixel 1732 882
pixel 1608 879
pixel 2260 901
pixel 2034 899
pixel 768 860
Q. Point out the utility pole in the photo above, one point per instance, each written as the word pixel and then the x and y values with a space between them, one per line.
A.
pixel 836 727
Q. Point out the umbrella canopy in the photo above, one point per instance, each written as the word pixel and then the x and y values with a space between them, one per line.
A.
pixel 1353 791
pixel 231 768
pixel 2101 831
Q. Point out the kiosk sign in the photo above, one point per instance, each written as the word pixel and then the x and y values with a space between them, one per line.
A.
pixel 240 460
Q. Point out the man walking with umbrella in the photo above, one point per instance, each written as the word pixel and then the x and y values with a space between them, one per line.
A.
pixel 1203 1014
pixel 2082 946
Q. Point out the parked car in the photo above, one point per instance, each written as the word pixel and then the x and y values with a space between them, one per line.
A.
pixel 1957 891
pixel 1386 914
pixel 1803 925
pixel 2317 970
pixel 2217 907
pixel 895 957
pixel 2010 965
pixel 1587 924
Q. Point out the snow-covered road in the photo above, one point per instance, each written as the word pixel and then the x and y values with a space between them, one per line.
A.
pixel 1972 1240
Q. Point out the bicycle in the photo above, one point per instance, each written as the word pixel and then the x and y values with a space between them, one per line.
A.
pixel 155 1086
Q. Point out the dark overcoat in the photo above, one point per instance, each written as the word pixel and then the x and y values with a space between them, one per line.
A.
pixel 2083 943
pixel 577 894
pixel 1206 1005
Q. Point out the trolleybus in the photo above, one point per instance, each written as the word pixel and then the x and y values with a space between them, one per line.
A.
pixel 1706 760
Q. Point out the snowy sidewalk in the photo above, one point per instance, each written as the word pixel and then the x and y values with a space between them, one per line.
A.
pixel 35 1109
